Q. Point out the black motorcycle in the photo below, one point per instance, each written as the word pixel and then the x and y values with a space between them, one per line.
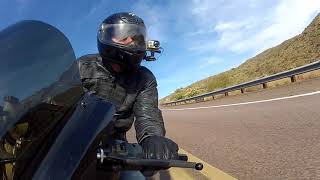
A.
pixel 49 127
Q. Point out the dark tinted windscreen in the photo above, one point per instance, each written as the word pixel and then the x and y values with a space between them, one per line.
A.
pixel 33 55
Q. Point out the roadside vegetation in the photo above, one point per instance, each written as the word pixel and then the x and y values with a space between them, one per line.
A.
pixel 297 51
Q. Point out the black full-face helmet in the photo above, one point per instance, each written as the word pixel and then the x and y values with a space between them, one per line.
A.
pixel 122 40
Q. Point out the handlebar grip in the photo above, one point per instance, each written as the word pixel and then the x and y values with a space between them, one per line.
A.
pixel 184 164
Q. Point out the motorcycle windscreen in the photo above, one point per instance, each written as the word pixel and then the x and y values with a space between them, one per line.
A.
pixel 91 116
pixel 35 60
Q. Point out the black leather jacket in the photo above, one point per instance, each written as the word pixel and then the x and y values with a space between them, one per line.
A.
pixel 135 95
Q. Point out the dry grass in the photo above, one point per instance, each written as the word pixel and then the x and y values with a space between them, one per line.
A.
pixel 253 88
pixel 219 96
pixel 210 98
pixel 308 75
pixel 235 93
pixel 279 82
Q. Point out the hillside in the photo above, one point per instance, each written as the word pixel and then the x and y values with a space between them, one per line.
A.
pixel 297 51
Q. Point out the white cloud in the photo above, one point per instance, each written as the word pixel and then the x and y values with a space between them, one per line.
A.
pixel 288 18
pixel 94 9
pixel 202 47
pixel 96 12
pixel 209 61
pixel 234 25
pixel 155 22
pixel 247 27
pixel 199 32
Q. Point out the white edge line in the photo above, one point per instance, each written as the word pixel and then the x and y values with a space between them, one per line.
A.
pixel 245 103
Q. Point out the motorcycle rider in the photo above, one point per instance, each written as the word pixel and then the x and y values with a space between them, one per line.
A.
pixel 115 74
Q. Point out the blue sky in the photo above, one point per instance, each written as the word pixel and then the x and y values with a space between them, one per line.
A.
pixel 200 37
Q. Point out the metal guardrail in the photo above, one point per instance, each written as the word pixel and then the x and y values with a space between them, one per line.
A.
pixel 291 73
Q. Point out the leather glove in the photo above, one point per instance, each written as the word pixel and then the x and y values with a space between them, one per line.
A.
pixel 159 147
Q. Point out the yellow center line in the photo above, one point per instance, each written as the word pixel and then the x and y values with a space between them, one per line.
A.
pixel 208 170
pixel 178 173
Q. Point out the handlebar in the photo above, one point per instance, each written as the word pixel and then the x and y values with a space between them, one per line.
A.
pixel 125 156
pixel 164 164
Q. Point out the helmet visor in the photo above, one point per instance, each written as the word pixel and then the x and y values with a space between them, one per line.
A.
pixel 129 36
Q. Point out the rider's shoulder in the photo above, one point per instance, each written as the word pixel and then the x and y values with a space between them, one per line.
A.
pixel 147 78
pixel 146 73
pixel 88 58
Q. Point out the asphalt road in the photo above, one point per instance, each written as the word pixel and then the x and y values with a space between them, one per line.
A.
pixel 277 139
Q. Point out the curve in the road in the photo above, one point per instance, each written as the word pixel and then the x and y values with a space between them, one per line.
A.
pixel 245 103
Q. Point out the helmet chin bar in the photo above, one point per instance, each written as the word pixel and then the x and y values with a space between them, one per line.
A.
pixel 127 60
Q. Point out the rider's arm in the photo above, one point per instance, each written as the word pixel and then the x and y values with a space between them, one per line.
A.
pixel 148 116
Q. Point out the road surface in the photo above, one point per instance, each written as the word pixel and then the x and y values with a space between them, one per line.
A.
pixel 259 135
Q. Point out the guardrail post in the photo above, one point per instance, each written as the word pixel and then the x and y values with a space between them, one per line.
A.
pixel 242 90
pixel 293 78
pixel 226 94
pixel 264 85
